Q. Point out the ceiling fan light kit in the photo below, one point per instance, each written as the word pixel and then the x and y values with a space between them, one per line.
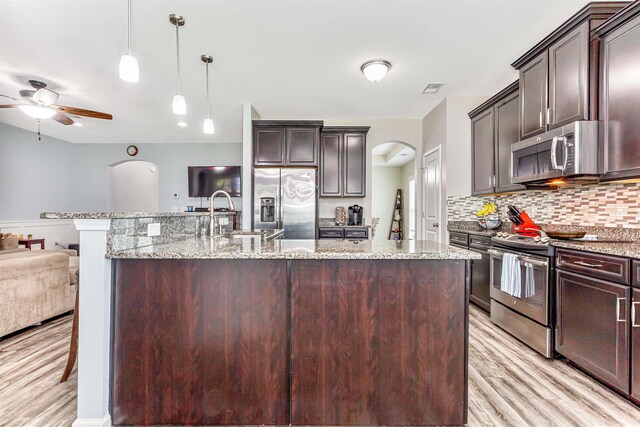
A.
pixel 375 70
pixel 37 112
pixel 44 96
pixel 129 71
pixel 179 103
pixel 207 126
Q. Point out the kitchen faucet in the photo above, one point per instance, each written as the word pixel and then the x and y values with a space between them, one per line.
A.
pixel 212 224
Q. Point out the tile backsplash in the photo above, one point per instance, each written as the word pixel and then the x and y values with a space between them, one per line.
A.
pixel 597 205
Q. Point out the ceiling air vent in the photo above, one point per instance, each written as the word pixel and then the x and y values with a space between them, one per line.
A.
pixel 432 88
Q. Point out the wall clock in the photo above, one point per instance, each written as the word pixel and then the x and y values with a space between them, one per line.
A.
pixel 132 150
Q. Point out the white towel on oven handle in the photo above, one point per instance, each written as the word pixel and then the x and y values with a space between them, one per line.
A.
pixel 510 281
pixel 529 281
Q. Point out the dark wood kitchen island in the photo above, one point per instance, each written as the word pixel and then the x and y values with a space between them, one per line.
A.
pixel 239 331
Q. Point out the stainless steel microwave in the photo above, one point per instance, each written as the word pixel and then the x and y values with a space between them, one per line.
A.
pixel 567 152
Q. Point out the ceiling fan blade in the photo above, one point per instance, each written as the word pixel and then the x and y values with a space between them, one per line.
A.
pixel 61 118
pixel 82 112
pixel 27 93
pixel 10 97
pixel 9 105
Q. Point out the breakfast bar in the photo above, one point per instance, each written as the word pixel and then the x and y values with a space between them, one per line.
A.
pixel 241 329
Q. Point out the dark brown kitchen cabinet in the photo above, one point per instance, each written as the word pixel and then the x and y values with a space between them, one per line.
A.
pixel 343 161
pixel 619 94
pixel 285 143
pixel 533 96
pixel 494 127
pixel 482 138
pixel 635 345
pixel 593 322
pixel 555 84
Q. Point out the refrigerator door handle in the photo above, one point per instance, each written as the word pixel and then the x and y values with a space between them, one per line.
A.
pixel 280 204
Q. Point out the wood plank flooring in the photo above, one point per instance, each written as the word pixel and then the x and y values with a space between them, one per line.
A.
pixel 509 384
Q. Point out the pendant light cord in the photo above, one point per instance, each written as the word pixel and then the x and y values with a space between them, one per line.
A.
pixel 208 101
pixel 178 55
pixel 129 27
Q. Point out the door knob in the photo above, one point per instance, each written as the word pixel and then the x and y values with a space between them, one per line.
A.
pixel 435 225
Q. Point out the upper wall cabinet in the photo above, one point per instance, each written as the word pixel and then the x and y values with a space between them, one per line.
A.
pixel 494 127
pixel 343 157
pixel 555 83
pixel 620 94
pixel 285 143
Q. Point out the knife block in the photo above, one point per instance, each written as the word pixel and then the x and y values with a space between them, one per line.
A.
pixel 526 228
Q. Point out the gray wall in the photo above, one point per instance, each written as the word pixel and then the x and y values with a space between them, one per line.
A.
pixel 54 175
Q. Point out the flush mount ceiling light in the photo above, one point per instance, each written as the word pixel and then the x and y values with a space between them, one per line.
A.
pixel 207 127
pixel 37 112
pixel 375 70
pixel 129 71
pixel 179 103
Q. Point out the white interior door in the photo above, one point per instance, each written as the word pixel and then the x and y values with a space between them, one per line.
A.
pixel 431 195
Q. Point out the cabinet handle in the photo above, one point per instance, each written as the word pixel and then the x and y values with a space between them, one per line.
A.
pixel 549 116
pixel 586 264
pixel 541 119
pixel 618 309
pixel 633 315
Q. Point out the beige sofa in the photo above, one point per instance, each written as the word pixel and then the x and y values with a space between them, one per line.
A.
pixel 35 286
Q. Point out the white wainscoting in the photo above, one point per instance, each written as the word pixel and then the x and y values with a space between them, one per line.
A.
pixel 52 230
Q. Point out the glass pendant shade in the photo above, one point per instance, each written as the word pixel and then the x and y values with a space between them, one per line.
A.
pixel 37 112
pixel 179 105
pixel 129 71
pixel 375 70
pixel 208 126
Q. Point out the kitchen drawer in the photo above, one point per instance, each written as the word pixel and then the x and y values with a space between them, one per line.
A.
pixel 356 233
pixel 635 273
pixel 479 242
pixel 331 233
pixel 458 239
pixel 607 267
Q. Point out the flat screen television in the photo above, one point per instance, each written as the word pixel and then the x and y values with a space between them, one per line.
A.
pixel 205 180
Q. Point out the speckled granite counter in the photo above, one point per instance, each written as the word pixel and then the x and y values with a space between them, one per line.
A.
pixel 329 223
pixel 246 247
pixel 630 250
pixel 121 215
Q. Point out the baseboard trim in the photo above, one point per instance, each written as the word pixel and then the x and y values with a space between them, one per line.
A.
pixel 93 422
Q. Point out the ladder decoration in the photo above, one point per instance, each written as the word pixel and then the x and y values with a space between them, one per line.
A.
pixel 396 231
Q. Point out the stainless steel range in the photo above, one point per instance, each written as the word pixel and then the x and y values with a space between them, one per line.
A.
pixel 529 318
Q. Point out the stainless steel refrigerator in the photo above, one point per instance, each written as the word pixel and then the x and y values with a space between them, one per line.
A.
pixel 286 198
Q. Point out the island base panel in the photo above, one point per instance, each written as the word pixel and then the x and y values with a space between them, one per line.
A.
pixel 378 342
pixel 200 342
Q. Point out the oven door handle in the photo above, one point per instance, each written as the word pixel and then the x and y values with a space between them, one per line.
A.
pixel 494 252
pixel 533 261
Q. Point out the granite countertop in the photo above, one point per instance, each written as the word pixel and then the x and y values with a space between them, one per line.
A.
pixel 629 250
pixel 121 215
pixel 334 225
pixel 247 247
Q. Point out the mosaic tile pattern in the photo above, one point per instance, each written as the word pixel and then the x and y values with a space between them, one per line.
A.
pixel 590 205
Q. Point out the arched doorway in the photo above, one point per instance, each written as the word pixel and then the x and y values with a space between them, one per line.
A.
pixel 134 186
pixel 393 169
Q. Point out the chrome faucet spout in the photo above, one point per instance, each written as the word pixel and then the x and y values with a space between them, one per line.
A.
pixel 212 223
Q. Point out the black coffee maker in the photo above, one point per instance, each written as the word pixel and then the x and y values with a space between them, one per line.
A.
pixel 355 215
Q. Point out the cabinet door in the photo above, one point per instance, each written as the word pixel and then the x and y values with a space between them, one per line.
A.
pixel 568 78
pixel 269 146
pixel 635 346
pixel 593 326
pixel 302 146
pixel 619 105
pixel 482 152
pixel 331 165
pixel 533 96
pixel 507 132
pixel 354 165
pixel 480 282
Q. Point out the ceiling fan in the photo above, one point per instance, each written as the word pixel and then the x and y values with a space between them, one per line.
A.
pixel 41 104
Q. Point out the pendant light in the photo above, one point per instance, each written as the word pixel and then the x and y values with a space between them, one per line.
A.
pixel 129 71
pixel 179 103
pixel 208 123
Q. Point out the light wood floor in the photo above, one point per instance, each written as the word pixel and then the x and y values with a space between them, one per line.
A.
pixel 509 384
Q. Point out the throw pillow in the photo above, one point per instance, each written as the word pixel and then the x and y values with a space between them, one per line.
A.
pixel 9 242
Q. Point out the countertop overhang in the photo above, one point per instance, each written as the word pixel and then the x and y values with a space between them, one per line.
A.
pixel 246 247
